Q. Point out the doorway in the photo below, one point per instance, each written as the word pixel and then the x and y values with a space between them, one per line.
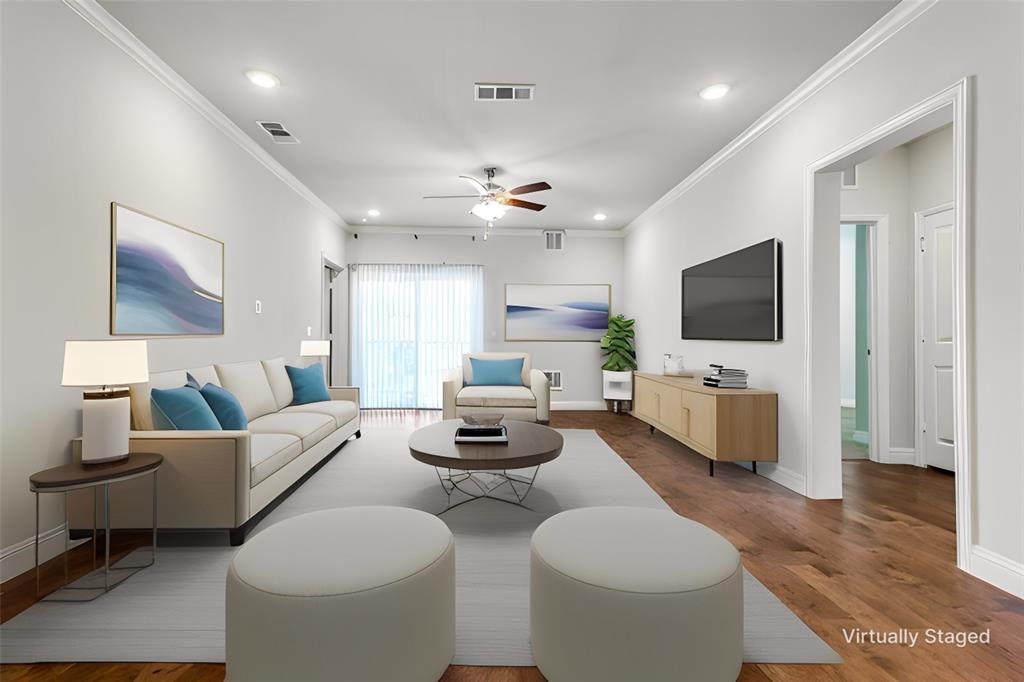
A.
pixel 854 335
pixel 950 369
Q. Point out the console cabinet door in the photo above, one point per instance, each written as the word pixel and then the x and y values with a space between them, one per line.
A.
pixel 699 409
pixel 646 399
pixel 670 408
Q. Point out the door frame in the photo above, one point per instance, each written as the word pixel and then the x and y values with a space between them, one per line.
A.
pixel 326 309
pixel 821 369
pixel 919 414
pixel 878 338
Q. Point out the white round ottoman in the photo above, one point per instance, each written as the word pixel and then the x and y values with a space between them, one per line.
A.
pixel 624 593
pixel 360 593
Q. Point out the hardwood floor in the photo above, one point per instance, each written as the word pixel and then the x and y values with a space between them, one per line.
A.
pixel 882 558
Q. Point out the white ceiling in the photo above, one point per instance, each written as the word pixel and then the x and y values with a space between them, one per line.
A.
pixel 381 93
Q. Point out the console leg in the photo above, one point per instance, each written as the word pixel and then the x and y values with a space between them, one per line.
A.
pixel 237 536
pixel 652 429
pixel 753 467
pixel 711 467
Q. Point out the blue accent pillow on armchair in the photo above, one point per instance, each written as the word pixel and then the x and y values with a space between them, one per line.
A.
pixel 226 407
pixel 308 384
pixel 181 409
pixel 497 372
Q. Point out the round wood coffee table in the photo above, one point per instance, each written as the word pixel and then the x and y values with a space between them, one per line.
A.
pixel 481 469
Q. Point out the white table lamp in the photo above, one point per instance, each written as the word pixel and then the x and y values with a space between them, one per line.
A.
pixel 106 413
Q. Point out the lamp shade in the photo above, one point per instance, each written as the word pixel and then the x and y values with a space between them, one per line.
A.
pixel 315 348
pixel 105 363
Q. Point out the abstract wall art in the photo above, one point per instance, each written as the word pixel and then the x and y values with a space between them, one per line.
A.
pixel 556 312
pixel 165 280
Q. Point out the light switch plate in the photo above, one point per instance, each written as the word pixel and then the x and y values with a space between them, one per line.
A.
pixel 309 331
pixel 259 307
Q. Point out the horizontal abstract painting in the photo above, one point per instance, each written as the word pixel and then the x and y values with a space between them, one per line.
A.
pixel 165 280
pixel 556 312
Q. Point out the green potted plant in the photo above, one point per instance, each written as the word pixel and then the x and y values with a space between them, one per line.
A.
pixel 618 368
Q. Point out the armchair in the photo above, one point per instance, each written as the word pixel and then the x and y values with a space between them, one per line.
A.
pixel 530 401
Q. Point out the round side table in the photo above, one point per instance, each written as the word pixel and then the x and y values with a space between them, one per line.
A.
pixel 77 476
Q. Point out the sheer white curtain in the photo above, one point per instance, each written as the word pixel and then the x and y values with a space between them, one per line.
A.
pixel 409 323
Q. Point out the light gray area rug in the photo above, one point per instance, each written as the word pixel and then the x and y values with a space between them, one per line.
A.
pixel 174 610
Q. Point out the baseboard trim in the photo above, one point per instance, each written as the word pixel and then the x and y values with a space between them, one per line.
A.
pixel 579 406
pixel 787 478
pixel 902 456
pixel 20 557
pixel 995 569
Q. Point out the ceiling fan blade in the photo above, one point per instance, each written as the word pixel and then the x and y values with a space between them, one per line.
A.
pixel 477 185
pixel 526 189
pixel 453 196
pixel 519 203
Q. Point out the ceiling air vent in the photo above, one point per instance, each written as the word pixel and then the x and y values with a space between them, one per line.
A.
pixel 278 133
pixel 554 240
pixel 503 92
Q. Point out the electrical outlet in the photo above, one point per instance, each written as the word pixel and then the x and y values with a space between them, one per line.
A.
pixel 309 331
pixel 259 307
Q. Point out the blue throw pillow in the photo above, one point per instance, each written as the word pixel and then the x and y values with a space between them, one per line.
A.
pixel 497 372
pixel 181 409
pixel 226 407
pixel 308 384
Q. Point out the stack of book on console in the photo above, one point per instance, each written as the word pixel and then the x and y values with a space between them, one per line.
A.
pixel 726 377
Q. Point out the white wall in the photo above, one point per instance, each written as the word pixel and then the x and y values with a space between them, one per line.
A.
pixel 512 260
pixel 759 193
pixel 84 125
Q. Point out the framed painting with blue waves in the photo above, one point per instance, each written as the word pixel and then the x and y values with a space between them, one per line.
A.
pixel 165 280
pixel 556 312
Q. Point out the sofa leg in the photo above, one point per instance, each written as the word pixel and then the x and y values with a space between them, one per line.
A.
pixel 359 434
pixel 237 536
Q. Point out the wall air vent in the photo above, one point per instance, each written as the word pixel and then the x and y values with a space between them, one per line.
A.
pixel 554 240
pixel 503 92
pixel 555 377
pixel 278 133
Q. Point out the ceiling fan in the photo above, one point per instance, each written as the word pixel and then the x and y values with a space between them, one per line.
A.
pixel 495 200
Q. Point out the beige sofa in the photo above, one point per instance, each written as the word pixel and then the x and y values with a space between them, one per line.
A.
pixel 529 402
pixel 225 479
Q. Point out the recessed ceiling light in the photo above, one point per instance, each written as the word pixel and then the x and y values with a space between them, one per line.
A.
pixel 716 91
pixel 263 79
pixel 373 213
pixel 599 216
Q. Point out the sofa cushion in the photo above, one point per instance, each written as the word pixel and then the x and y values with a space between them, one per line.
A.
pixel 308 384
pixel 226 407
pixel 142 413
pixel 280 384
pixel 342 411
pixel 497 372
pixel 311 428
pixel 268 452
pixel 182 409
pixel 495 396
pixel 467 366
pixel 248 382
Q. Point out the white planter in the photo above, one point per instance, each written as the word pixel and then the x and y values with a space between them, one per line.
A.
pixel 617 385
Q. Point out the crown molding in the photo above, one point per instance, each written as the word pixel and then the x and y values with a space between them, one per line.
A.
pixel 478 231
pixel 114 31
pixel 885 28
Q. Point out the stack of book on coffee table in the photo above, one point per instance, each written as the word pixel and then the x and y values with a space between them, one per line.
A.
pixel 726 377
pixel 483 428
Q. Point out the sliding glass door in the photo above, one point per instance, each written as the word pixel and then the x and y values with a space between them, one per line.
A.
pixel 409 323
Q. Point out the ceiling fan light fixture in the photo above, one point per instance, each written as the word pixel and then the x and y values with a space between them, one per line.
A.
pixel 489 210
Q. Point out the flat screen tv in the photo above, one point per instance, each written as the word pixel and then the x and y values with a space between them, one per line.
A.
pixel 737 296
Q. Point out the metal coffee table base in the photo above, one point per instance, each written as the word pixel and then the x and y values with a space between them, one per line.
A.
pixel 482 484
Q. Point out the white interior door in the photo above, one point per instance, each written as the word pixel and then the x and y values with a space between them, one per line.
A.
pixel 937 416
